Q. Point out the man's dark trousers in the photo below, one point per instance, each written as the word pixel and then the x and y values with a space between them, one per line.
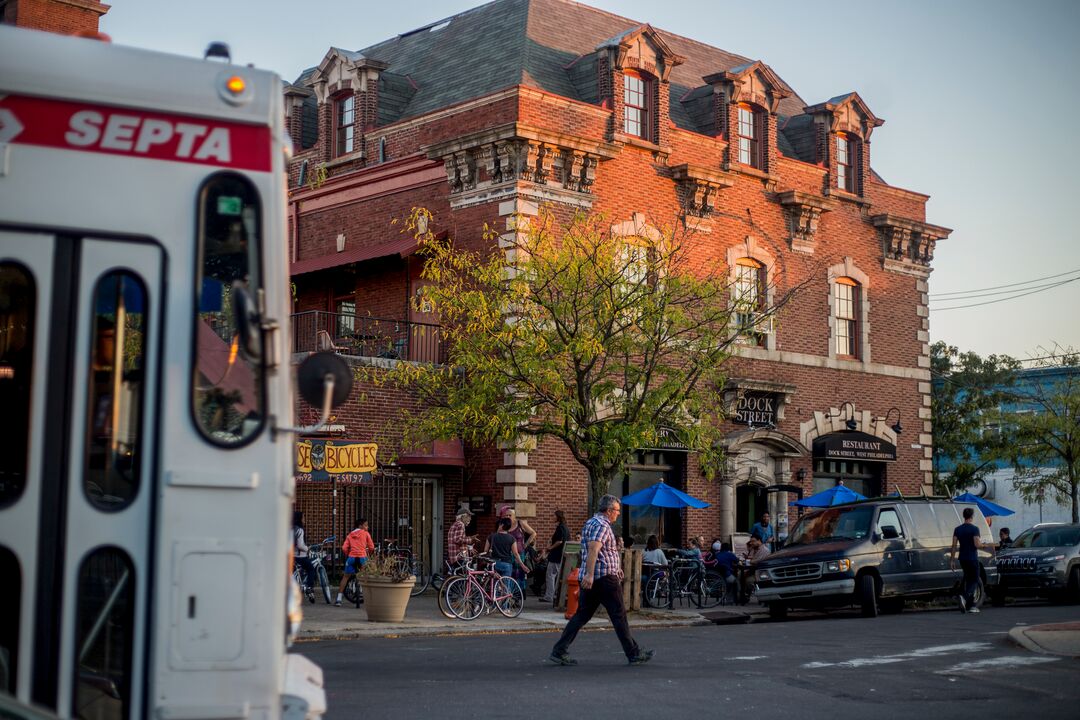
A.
pixel 971 580
pixel 606 591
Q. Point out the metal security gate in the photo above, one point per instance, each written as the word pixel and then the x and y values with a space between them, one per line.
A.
pixel 396 505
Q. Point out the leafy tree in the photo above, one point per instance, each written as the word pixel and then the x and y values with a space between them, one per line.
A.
pixel 567 331
pixel 966 393
pixel 1042 431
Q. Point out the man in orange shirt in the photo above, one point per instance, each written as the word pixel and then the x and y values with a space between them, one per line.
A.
pixel 357 546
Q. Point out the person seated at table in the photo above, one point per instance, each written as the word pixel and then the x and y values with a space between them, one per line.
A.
pixel 653 555
pixel 726 563
pixel 755 553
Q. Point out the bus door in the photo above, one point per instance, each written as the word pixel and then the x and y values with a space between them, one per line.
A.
pixel 80 338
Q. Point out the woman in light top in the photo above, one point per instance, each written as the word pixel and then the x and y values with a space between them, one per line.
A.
pixel 653 554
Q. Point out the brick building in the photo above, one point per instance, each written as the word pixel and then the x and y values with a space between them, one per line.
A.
pixel 66 17
pixel 519 104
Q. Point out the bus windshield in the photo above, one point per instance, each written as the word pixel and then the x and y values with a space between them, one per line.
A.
pixel 839 523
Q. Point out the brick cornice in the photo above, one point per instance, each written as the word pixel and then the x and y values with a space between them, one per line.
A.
pixel 91 5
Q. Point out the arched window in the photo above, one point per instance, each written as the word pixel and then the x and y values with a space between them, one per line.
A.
pixel 846 308
pixel 748 134
pixel 845 157
pixel 637 102
pixel 748 296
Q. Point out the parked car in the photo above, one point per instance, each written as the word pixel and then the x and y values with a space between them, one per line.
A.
pixel 874 554
pixel 1042 561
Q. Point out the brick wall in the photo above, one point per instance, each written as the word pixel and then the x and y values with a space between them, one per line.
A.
pixel 65 18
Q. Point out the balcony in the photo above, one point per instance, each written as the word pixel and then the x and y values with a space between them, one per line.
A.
pixel 362 336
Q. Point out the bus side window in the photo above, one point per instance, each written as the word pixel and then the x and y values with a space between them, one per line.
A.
pixel 117 350
pixel 228 388
pixel 10 601
pixel 18 298
pixel 104 636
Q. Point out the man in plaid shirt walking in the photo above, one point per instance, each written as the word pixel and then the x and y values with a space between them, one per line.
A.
pixel 600 578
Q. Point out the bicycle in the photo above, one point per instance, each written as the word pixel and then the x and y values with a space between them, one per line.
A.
pixel 316 553
pixel 686 578
pixel 465 561
pixel 482 591
pixel 408 562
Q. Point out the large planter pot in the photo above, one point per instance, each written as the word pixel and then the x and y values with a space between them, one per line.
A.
pixel 385 600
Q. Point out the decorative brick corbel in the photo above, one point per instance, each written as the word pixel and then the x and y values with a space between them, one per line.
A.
pixel 908 245
pixel 465 163
pixel 803 211
pixel 698 188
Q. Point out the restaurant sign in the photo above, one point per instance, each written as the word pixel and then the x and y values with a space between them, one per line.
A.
pixel 853 446
pixel 341 460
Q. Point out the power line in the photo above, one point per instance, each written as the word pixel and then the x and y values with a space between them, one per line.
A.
pixel 1014 297
pixel 1007 292
pixel 998 287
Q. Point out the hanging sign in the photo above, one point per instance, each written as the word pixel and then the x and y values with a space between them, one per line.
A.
pixel 341 460
pixel 853 446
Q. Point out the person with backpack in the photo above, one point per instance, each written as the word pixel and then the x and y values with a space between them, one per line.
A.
pixel 300 549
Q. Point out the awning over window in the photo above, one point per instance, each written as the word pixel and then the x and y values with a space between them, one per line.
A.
pixel 402 247
pixel 440 452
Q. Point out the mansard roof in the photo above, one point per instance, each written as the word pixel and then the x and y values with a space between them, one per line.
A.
pixel 551 45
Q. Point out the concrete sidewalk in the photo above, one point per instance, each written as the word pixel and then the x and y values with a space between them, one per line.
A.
pixel 327 622
pixel 1056 639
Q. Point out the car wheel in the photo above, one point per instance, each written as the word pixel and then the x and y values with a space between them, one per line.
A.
pixel 980 593
pixel 868 601
pixel 778 611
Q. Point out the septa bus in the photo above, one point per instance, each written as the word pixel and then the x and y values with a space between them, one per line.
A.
pixel 145 477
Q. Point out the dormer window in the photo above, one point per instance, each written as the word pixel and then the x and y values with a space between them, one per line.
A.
pixel 749 133
pixel 344 125
pixel 636 93
pixel 845 173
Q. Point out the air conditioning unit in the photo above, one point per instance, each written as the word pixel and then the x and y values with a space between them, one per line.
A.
pixel 984 489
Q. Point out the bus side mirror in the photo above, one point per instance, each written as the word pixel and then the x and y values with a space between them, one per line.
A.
pixel 247 322
pixel 324 381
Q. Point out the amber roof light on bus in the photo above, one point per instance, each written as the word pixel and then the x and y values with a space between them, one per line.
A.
pixel 236 84
pixel 234 88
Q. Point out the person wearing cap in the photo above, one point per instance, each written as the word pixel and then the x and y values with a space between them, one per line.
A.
pixel 457 540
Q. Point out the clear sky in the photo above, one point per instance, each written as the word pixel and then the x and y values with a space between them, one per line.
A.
pixel 978 98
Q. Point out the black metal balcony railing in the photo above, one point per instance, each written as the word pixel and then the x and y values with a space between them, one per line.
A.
pixel 367 336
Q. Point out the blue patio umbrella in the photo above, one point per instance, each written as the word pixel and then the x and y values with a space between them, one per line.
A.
pixel 837 495
pixel 988 508
pixel 663 495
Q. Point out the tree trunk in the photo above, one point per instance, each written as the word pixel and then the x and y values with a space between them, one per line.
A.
pixel 599 486
pixel 1075 499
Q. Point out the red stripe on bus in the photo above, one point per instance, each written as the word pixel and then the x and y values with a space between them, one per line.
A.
pixel 135 133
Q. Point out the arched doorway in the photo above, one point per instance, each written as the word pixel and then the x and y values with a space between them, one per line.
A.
pixel 757 459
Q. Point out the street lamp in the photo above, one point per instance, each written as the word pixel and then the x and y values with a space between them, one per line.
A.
pixel 896 428
pixel 851 423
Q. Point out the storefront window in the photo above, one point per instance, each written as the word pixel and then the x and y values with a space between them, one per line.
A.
pixel 10 601
pixel 638 522
pixel 862 477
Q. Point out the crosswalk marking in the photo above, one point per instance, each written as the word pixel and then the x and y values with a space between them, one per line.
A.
pixel 934 651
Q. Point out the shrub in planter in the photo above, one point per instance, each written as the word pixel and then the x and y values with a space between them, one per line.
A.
pixel 386 586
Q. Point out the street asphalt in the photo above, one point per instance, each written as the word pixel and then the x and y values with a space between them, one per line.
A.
pixel 926 665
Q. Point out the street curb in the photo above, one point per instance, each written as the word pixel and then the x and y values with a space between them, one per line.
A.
pixel 1020 637
pixel 465 630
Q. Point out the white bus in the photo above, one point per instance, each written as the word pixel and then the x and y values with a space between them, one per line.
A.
pixel 145 479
